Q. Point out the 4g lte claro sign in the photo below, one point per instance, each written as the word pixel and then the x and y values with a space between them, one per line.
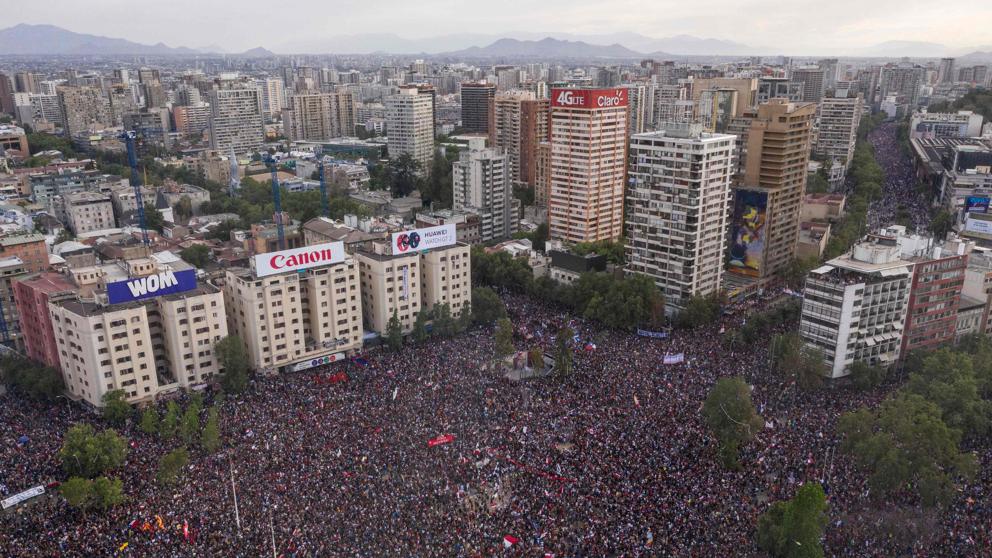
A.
pixel 588 98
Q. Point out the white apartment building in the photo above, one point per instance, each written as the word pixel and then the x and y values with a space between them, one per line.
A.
pixel 273 97
pixel 319 116
pixel 678 204
pixel 940 125
pixel 291 319
pixel 854 307
pixel 236 120
pixel 410 126
pixel 482 185
pixel 838 119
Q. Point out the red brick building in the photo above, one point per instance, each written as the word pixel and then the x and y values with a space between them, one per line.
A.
pixel 934 299
pixel 30 248
pixel 32 295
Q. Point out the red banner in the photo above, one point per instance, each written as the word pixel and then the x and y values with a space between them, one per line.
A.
pixel 442 439
pixel 589 99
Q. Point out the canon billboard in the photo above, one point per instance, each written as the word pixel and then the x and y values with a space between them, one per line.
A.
pixel 298 259
pixel 423 239
pixel 588 98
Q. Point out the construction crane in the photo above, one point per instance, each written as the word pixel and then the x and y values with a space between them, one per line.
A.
pixel 130 138
pixel 325 210
pixel 277 198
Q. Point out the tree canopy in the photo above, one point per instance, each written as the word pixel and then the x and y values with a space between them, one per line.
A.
pixel 731 416
pixel 86 453
pixel 793 528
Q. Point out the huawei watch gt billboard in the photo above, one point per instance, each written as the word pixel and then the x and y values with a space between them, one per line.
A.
pixel 423 239
pixel 165 283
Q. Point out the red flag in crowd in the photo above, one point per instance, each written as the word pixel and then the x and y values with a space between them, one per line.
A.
pixel 442 439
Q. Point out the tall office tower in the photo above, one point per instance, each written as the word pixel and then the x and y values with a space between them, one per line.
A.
pixel 273 97
pixel 6 94
pixel 26 82
pixel 521 123
pixel 588 137
pixel 839 118
pixel 945 71
pixel 829 67
pixel 319 116
pixel 640 97
pixel 772 87
pixel 672 105
pixel 121 76
pixel 813 83
pixel 904 82
pixel 481 184
pixel 236 120
pixel 478 106
pixel 677 209
pixel 409 125
pixel 764 227
pixel 84 108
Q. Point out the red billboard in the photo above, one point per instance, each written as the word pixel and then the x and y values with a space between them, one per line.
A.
pixel 575 98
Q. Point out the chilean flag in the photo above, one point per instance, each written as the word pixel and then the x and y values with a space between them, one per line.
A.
pixel 510 540
pixel 442 439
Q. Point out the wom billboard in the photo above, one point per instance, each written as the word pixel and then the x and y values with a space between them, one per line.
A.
pixel 976 204
pixel 167 282
pixel 423 239
pixel 747 232
pixel 298 259
pixel 589 98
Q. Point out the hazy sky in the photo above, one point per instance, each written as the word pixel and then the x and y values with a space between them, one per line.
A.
pixel 786 25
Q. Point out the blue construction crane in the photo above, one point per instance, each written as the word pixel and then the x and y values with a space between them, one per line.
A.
pixel 277 198
pixel 130 138
pixel 325 210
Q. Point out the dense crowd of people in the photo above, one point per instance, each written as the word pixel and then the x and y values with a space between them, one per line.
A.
pixel 611 460
pixel 431 451
pixel 899 193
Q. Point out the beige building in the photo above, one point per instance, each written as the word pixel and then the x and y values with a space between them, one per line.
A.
pixel 587 164
pixel 236 120
pixel 837 130
pixel 521 123
pixel 89 211
pixel 776 160
pixel 319 116
pixel 410 126
pixel 414 281
pixel 145 347
pixel 83 109
pixel 290 320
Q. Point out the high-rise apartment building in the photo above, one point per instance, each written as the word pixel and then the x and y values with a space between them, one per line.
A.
pixel 481 184
pixel 319 116
pixel 236 120
pixel 587 164
pixel 945 71
pixel 677 209
pixel 839 118
pixel 772 87
pixel 273 97
pixel 764 225
pixel 84 109
pixel 478 107
pixel 6 95
pixel 854 307
pixel 32 295
pixel 12 270
pixel 191 120
pixel 410 126
pixel 904 82
pixel 813 82
pixel 521 123
pixel 640 114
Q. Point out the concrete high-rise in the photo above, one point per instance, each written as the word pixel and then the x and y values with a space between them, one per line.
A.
pixel 236 120
pixel 677 209
pixel 319 116
pixel 84 109
pixel 813 82
pixel 478 107
pixel 481 184
pixel 587 163
pixel 904 81
pixel 521 121
pixel 839 118
pixel 765 220
pixel 273 97
pixel 410 129
pixel 945 71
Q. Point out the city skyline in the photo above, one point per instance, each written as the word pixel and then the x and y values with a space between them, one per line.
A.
pixel 800 28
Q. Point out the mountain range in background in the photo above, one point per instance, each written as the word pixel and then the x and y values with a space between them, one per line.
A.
pixel 25 39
